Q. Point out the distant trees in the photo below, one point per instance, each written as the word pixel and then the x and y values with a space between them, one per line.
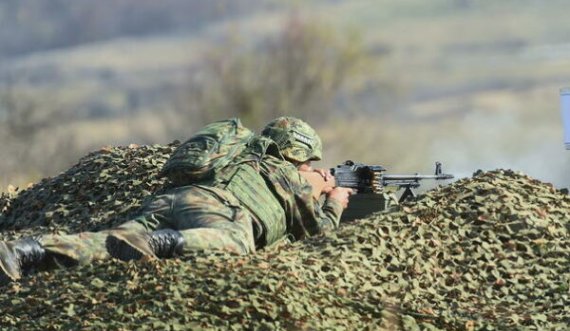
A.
pixel 300 71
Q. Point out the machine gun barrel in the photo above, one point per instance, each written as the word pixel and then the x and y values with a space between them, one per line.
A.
pixel 408 182
pixel 415 177
pixel 401 182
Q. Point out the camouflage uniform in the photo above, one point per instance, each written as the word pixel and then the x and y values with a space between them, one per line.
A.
pixel 258 200
pixel 209 217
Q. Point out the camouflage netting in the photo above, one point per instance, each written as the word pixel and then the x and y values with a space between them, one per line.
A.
pixel 488 252
pixel 102 190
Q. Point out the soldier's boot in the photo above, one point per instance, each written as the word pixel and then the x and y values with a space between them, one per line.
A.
pixel 128 245
pixel 19 258
pixel 167 243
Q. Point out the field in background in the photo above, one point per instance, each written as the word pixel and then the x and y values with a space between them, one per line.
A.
pixel 473 84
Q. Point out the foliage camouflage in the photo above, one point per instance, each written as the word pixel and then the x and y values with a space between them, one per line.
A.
pixel 491 252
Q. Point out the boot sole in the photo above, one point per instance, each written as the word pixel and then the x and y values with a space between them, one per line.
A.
pixel 119 249
pixel 122 249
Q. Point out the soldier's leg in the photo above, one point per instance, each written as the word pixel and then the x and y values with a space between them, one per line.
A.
pixel 85 247
pixel 72 249
pixel 23 256
pixel 200 218
pixel 212 219
pixel 132 241
pixel 215 233
pixel 27 255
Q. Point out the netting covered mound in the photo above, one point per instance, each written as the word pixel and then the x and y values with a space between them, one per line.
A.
pixel 101 191
pixel 491 252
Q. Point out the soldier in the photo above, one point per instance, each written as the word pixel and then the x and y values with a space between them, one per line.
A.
pixel 257 201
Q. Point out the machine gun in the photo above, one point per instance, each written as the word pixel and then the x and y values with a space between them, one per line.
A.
pixel 372 178
pixel 370 183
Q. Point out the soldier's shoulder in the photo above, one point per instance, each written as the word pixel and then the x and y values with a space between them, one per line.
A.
pixel 276 162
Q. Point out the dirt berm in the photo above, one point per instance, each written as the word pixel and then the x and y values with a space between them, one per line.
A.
pixel 491 252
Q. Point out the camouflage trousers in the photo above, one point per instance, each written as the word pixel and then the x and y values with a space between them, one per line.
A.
pixel 208 218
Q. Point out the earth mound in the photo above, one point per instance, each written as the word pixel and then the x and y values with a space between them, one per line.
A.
pixel 491 252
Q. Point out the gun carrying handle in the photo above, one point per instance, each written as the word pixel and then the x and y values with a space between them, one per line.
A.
pixel 317 182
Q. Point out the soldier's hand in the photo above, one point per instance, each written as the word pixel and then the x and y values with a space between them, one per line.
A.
pixel 340 194
pixel 325 173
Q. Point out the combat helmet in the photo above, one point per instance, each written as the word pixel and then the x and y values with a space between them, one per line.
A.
pixel 298 141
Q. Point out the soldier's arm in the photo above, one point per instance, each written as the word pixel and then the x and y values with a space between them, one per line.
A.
pixel 305 216
pixel 311 216
pixel 331 211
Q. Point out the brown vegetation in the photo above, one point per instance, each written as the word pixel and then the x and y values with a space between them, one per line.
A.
pixel 300 72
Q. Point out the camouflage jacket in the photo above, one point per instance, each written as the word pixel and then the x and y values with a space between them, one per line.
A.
pixel 278 196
